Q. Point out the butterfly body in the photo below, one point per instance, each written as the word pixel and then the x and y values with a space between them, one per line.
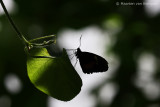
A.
pixel 90 62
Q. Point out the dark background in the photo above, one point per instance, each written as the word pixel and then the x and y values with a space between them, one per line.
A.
pixel 140 33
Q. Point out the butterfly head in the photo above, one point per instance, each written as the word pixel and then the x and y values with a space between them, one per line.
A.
pixel 77 53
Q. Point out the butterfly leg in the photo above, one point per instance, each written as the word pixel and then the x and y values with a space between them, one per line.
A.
pixel 76 62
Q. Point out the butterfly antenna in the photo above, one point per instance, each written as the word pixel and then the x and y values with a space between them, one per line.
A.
pixel 80 41
pixel 76 62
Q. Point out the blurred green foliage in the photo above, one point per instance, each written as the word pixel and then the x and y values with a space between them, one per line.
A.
pixel 140 33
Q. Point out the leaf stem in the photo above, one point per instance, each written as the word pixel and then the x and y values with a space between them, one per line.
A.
pixel 13 24
pixel 41 38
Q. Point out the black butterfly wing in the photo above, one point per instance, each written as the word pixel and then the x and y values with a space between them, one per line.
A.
pixel 91 63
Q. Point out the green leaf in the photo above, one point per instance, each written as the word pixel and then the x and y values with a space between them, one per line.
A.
pixel 54 76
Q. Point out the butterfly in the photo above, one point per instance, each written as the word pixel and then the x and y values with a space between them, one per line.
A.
pixel 90 62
